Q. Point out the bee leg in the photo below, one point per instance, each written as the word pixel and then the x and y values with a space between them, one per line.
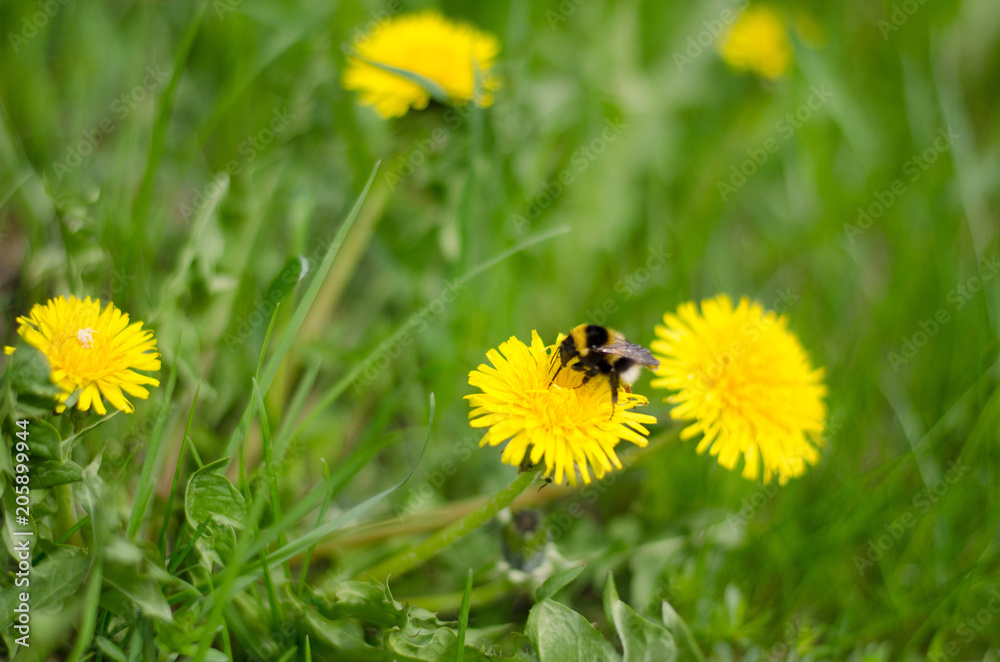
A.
pixel 588 373
pixel 558 370
pixel 614 381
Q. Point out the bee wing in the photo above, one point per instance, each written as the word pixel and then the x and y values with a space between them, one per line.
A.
pixel 637 353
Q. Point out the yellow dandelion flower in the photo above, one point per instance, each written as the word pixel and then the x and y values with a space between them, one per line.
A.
pixel 567 426
pixel 758 42
pixel 409 59
pixel 747 383
pixel 90 351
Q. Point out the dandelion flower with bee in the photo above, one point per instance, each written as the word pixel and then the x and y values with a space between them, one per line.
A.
pixel 91 352
pixel 561 424
pixel 546 416
pixel 746 382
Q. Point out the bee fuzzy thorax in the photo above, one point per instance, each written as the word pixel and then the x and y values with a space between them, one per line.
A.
pixel 600 351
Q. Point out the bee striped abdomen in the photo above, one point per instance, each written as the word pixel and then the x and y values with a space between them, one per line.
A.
pixel 628 370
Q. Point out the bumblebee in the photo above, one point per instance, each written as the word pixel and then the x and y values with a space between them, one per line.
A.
pixel 599 350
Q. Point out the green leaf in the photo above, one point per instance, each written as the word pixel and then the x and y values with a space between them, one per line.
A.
pixel 29 374
pixel 610 597
pixel 12 533
pixel 211 496
pixel 559 634
pixel 51 473
pixel 642 639
pixel 54 580
pixel 143 590
pixel 688 648
pixel 109 648
pixel 123 569
pixel 346 636
pixel 556 582
pixel 431 646
pixel 44 441
pixel 91 495
pixel 472 654
pixel 71 440
pixel 419 643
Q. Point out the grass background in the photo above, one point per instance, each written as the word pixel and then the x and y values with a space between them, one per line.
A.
pixel 145 218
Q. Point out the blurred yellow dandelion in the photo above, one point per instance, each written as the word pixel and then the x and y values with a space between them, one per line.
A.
pixel 409 59
pixel 746 382
pixel 92 351
pixel 566 426
pixel 758 42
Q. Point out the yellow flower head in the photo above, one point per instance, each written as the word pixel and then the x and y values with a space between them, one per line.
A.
pixel 567 425
pixel 91 351
pixel 746 382
pixel 409 59
pixel 758 42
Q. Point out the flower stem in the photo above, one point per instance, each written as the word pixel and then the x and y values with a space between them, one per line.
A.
pixel 411 558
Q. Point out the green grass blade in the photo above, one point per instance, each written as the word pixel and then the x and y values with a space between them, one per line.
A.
pixel 151 467
pixel 334 392
pixel 267 340
pixel 232 583
pixel 321 532
pixel 304 570
pixel 194 452
pixel 140 210
pixel 162 540
pixel 300 545
pixel 285 344
pixel 272 595
pixel 80 523
pixel 91 603
pixel 293 408
pixel 269 467
pixel 13 187
pixel 302 309
pixel 177 558
pixel 463 618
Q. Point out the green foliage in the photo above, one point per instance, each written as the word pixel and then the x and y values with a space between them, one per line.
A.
pixel 212 499
pixel 552 585
pixel 26 382
pixel 559 633
pixel 50 473
pixel 642 639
